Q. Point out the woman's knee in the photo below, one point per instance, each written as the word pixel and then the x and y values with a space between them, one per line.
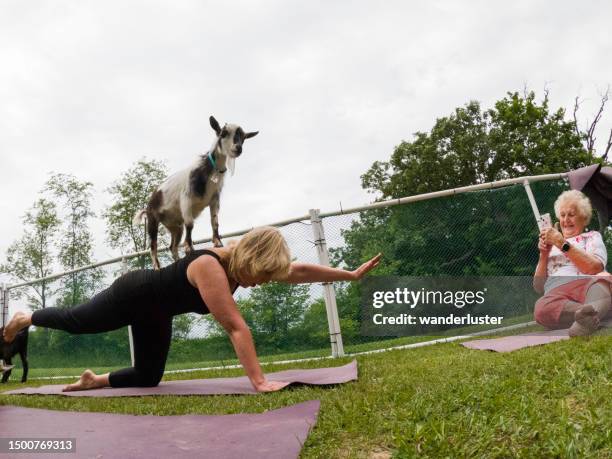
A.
pixel 546 313
pixel 149 378
pixel 599 290
pixel 540 316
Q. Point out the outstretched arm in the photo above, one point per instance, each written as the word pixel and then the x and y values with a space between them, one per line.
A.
pixel 301 273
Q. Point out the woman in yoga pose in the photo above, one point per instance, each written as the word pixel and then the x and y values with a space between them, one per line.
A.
pixel 570 270
pixel 201 282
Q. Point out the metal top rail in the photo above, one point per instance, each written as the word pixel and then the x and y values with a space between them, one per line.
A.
pixel 375 205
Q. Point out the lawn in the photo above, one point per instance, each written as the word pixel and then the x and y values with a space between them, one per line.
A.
pixel 436 401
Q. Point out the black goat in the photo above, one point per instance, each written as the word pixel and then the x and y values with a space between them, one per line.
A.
pixel 18 346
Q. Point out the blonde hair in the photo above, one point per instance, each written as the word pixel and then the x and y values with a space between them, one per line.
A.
pixel 262 250
pixel 579 199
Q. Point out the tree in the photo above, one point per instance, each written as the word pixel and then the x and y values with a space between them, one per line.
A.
pixel 76 242
pixel 466 234
pixel 588 135
pixel 31 256
pixel 274 313
pixel 183 324
pixel 245 306
pixel 276 308
pixel 130 194
pixel 482 233
pixel 314 329
pixel 515 138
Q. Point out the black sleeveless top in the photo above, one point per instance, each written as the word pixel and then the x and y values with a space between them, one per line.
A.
pixel 167 287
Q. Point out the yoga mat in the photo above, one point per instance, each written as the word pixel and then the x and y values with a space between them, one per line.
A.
pixel 212 386
pixel 274 434
pixel 512 343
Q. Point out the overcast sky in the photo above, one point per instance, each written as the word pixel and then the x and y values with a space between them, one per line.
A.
pixel 88 88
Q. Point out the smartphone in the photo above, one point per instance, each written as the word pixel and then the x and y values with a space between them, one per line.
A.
pixel 544 221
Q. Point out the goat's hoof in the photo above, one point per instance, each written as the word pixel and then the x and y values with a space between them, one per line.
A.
pixel 217 243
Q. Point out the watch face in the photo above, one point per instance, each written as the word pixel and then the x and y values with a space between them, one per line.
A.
pixel 566 246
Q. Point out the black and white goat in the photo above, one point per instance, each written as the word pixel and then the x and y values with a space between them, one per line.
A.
pixel 182 197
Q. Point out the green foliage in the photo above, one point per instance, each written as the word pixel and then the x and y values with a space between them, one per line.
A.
pixel 130 194
pixel 76 242
pixel 608 242
pixel 483 233
pixel 479 233
pixel 275 310
pixel 275 313
pixel 31 256
pixel 515 138
pixel 183 324
pixel 276 306
pixel 314 327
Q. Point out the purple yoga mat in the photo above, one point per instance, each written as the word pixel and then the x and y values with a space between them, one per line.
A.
pixel 274 434
pixel 213 386
pixel 512 343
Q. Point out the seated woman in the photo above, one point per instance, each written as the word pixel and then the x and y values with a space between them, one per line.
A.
pixel 201 282
pixel 570 270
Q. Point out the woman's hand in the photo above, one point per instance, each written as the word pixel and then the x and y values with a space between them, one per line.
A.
pixel 543 246
pixel 269 386
pixel 550 237
pixel 366 267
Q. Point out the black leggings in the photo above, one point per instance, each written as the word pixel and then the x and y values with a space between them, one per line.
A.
pixel 108 310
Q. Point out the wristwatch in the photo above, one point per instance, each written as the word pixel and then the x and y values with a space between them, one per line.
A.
pixel 566 246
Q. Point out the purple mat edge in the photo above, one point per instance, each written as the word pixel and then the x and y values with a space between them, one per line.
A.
pixel 350 370
pixel 545 337
pixel 505 344
pixel 297 420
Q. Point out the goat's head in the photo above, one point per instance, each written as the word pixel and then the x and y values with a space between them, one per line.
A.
pixel 230 138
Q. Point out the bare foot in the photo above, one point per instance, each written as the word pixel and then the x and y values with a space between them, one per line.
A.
pixel 20 320
pixel 586 321
pixel 88 380
pixel 4 367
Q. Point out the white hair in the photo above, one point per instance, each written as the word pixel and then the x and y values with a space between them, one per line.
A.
pixel 579 200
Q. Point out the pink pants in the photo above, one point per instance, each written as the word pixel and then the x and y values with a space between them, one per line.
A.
pixel 548 309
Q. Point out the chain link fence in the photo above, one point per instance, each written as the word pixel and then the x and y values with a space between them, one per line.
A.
pixel 480 234
pixel 489 232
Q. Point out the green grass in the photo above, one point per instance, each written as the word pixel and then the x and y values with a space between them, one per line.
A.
pixel 437 401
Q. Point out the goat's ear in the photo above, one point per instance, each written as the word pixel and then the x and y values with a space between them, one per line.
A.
pixel 248 135
pixel 214 124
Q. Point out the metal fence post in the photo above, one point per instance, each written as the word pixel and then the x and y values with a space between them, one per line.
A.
pixel 124 270
pixel 4 297
pixel 335 336
pixel 532 201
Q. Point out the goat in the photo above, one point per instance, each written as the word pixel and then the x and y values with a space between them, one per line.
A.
pixel 18 346
pixel 181 198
